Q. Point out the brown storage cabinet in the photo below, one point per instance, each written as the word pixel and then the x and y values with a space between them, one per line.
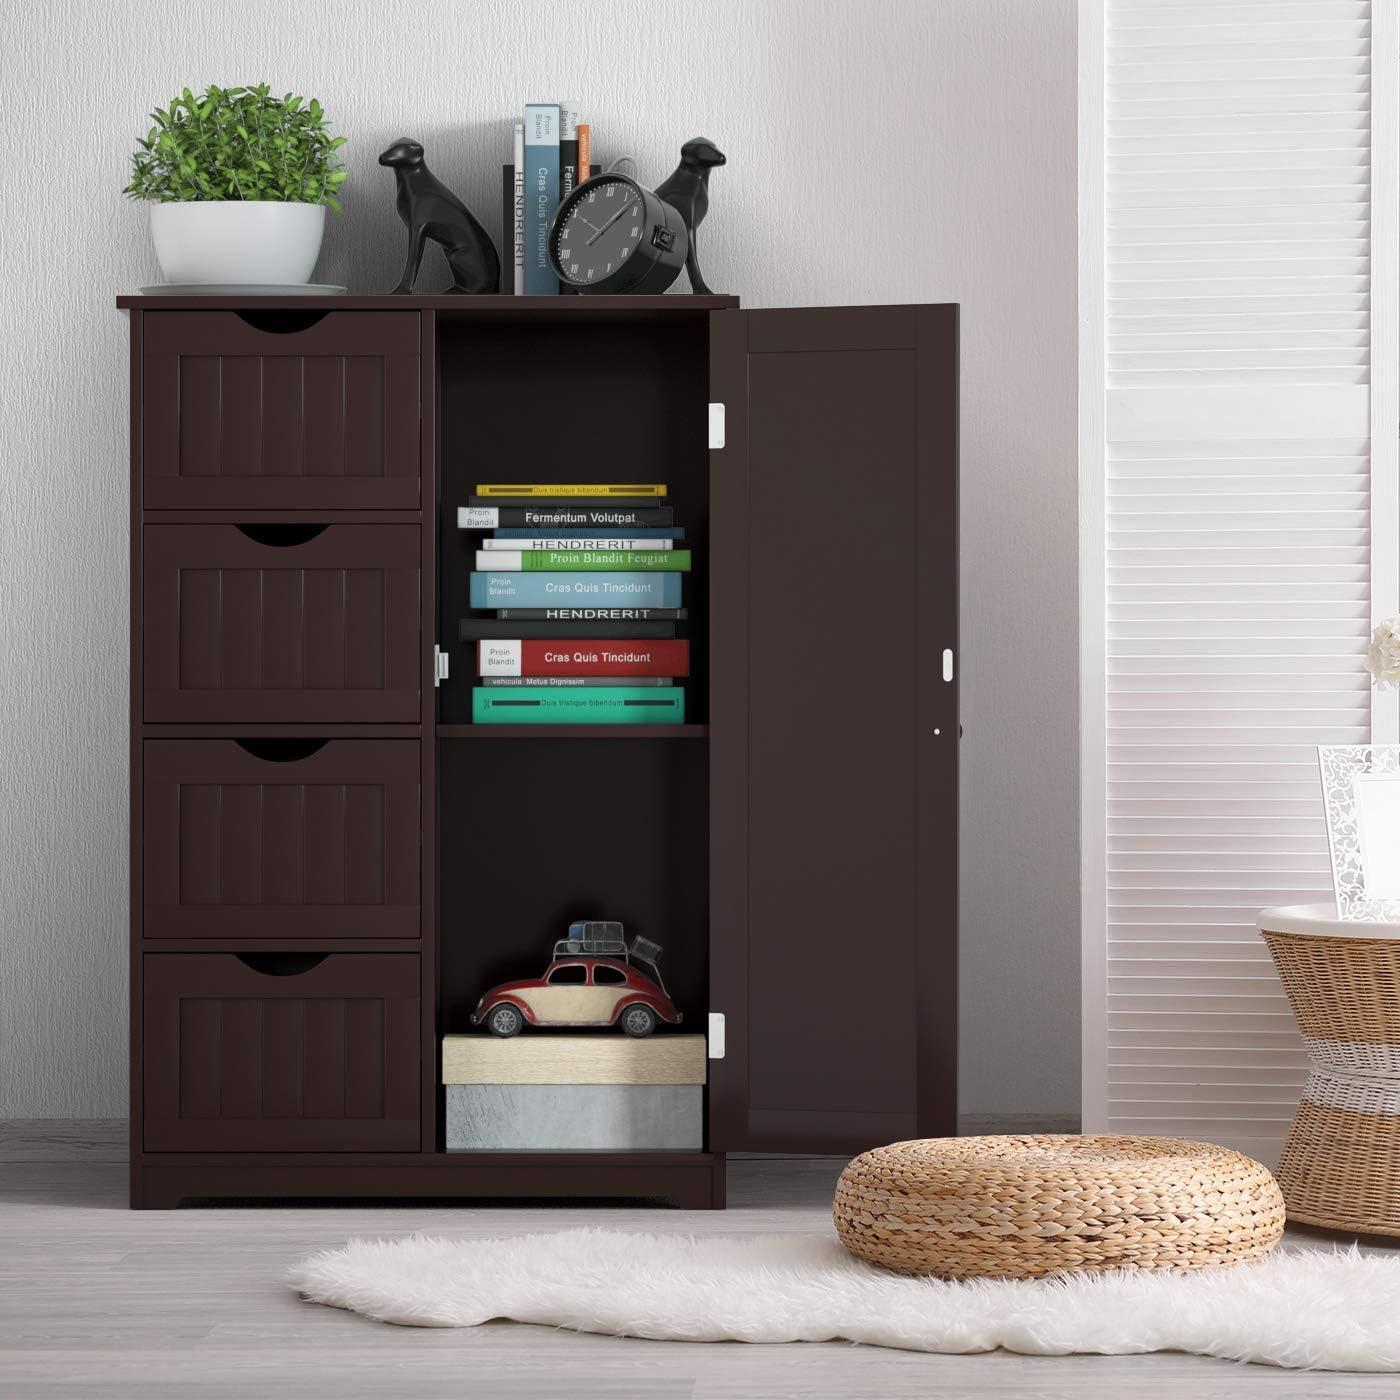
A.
pixel 330 862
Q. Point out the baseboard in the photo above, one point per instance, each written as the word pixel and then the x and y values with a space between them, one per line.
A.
pixel 63 1139
pixel 978 1124
pixel 969 1125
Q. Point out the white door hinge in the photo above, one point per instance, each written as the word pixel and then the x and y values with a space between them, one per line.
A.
pixel 440 666
pixel 716 425
pixel 715 1038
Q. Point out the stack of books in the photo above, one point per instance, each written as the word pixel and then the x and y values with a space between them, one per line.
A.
pixel 578 590
pixel 553 155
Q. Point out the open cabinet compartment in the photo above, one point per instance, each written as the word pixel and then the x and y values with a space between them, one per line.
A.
pixel 542 825
pixel 593 396
pixel 538 832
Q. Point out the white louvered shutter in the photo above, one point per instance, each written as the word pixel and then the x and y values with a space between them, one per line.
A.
pixel 1236 529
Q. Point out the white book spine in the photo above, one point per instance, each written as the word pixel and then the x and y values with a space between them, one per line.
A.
pixel 570 542
pixel 568 121
pixel 518 218
pixel 498 658
pixel 502 561
pixel 478 517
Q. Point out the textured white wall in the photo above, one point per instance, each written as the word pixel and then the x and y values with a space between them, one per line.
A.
pixel 881 151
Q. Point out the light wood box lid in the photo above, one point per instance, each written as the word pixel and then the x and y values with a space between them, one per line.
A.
pixel 573 1059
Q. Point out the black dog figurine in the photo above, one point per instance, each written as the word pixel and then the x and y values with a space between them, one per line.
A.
pixel 431 210
pixel 687 191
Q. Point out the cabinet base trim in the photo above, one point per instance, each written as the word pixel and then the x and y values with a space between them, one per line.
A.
pixel 694 1182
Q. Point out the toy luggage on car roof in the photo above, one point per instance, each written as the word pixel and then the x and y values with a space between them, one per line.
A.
pixel 605 938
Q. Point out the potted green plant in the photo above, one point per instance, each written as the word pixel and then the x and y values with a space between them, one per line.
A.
pixel 238 182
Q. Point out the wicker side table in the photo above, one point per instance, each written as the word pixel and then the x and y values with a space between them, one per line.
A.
pixel 1340 1167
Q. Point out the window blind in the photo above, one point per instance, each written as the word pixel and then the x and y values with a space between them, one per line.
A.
pixel 1237 529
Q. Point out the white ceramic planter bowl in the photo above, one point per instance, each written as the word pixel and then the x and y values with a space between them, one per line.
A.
pixel 237 240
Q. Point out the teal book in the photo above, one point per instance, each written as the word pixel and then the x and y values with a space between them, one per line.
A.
pixel 541 195
pixel 582 590
pixel 540 704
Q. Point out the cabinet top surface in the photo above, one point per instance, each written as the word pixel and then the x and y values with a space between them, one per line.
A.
pixel 461 305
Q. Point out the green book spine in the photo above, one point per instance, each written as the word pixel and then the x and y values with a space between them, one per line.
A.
pixel 533 704
pixel 583 560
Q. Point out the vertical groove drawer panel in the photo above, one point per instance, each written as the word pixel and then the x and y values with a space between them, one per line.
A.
pixel 240 846
pixel 323 1058
pixel 325 415
pixel 326 630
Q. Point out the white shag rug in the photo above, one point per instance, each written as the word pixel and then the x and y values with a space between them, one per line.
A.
pixel 1335 1310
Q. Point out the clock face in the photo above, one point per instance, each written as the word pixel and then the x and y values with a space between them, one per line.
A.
pixel 601 228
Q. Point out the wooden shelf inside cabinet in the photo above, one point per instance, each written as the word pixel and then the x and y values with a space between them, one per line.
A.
pixel 573 731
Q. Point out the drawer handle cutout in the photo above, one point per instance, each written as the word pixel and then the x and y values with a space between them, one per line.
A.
pixel 281 964
pixel 281 536
pixel 281 750
pixel 281 322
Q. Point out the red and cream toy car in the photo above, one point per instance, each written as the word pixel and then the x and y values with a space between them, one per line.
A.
pixel 590 982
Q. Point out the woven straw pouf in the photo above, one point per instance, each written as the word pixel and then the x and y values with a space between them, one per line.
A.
pixel 1340 1167
pixel 1024 1207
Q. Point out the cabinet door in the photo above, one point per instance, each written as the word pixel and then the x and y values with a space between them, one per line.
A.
pixel 254 624
pixel 280 410
pixel 281 838
pixel 279 1052
pixel 834 726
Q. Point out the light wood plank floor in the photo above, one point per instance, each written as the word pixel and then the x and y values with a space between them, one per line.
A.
pixel 96 1301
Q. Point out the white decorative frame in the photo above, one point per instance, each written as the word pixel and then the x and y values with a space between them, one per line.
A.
pixel 1341 764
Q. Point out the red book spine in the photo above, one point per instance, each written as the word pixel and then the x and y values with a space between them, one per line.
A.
pixel 583 658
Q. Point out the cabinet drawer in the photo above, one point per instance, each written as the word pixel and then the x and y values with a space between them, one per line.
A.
pixel 280 411
pixel 281 623
pixel 281 1052
pixel 281 838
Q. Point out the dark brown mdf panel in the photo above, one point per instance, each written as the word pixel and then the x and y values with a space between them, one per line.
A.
pixel 281 839
pixel 833 734
pixel 693 1180
pixel 282 623
pixel 281 1052
pixel 276 409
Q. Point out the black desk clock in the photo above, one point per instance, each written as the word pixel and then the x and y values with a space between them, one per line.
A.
pixel 611 235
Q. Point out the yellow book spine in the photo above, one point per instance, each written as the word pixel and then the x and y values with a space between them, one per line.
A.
pixel 592 490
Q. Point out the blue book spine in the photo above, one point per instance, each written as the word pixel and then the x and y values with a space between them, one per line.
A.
pixel 541 194
pixel 582 590
pixel 519 532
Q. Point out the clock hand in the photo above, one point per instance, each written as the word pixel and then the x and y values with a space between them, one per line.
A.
pixel 627 210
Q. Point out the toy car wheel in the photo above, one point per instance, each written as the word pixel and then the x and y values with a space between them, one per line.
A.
pixel 638 1020
pixel 505 1020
